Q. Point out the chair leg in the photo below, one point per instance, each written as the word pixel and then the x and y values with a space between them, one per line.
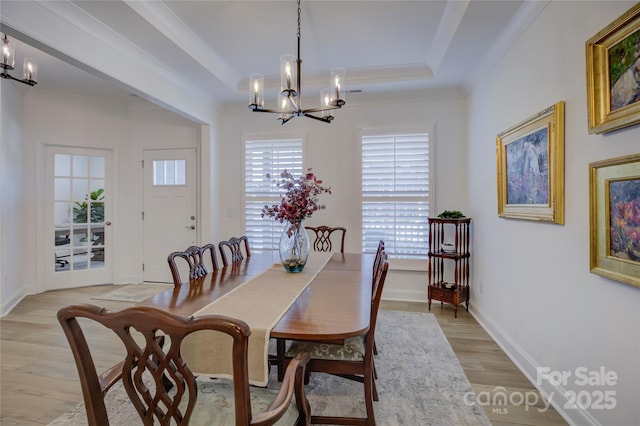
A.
pixel 375 390
pixel 370 394
pixel 375 372
pixel 280 361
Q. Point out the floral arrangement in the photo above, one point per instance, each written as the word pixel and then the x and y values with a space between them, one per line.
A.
pixel 300 200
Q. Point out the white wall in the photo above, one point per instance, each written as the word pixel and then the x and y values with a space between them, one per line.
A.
pixel 12 195
pixel 332 153
pixel 531 283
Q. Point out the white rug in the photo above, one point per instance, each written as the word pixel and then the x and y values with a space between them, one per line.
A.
pixel 133 292
pixel 420 382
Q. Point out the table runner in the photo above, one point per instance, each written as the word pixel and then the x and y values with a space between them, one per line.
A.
pixel 260 302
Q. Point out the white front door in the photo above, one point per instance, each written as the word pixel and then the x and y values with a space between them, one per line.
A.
pixel 170 208
pixel 78 217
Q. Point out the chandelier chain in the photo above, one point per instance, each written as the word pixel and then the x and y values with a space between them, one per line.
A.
pixel 299 20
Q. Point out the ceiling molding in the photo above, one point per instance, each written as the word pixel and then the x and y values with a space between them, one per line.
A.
pixel 167 23
pixel 447 29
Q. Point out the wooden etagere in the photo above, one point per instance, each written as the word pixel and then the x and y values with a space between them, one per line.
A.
pixel 454 291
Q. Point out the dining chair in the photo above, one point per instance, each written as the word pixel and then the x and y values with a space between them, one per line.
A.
pixel 234 246
pixel 322 240
pixel 196 259
pixel 146 366
pixel 376 267
pixel 351 360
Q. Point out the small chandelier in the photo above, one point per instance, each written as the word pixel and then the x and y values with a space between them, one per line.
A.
pixel 29 70
pixel 290 99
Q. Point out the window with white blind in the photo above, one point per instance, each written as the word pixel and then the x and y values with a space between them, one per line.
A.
pixel 264 156
pixel 396 194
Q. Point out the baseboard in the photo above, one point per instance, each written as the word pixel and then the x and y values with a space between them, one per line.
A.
pixel 403 295
pixel 8 305
pixel 529 367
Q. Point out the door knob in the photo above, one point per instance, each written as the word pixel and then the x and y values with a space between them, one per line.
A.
pixel 108 223
pixel 190 227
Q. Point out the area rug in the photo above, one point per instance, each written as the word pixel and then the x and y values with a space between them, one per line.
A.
pixel 133 292
pixel 420 382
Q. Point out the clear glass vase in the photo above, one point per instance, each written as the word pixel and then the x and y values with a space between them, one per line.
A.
pixel 294 247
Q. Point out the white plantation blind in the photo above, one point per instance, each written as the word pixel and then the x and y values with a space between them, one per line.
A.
pixel 396 170
pixel 261 157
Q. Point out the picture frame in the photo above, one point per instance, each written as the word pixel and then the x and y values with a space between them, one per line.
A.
pixel 530 167
pixel 614 213
pixel 613 74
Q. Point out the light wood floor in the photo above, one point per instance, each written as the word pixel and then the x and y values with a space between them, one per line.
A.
pixel 39 382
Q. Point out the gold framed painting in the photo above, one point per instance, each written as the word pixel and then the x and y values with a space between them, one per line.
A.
pixel 614 211
pixel 613 74
pixel 530 166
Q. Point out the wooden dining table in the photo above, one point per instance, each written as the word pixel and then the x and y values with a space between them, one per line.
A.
pixel 335 305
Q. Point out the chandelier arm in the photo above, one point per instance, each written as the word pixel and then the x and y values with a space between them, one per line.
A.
pixel 326 119
pixel 284 120
pixel 9 76
pixel 320 109
pixel 255 108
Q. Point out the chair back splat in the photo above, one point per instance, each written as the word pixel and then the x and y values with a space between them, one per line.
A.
pixel 234 246
pixel 195 258
pixel 158 382
pixel 322 241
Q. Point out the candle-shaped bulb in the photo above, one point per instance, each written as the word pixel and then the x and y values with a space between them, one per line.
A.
pixel 288 76
pixel 255 92
pixel 8 53
pixel 256 84
pixel 325 100
pixel 337 81
pixel 30 69
pixel 288 71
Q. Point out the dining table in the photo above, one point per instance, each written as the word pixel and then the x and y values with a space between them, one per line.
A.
pixel 329 301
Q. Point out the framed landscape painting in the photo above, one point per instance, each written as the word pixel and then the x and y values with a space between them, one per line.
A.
pixel 530 167
pixel 614 197
pixel 613 74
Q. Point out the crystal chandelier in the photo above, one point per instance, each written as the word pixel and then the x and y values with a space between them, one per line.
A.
pixel 30 68
pixel 290 98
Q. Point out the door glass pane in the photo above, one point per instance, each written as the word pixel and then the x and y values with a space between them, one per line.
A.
pixel 79 208
pixel 80 166
pixel 62 189
pixel 80 189
pixel 62 165
pixel 181 172
pixel 62 213
pixel 97 212
pixel 96 167
pixel 96 185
